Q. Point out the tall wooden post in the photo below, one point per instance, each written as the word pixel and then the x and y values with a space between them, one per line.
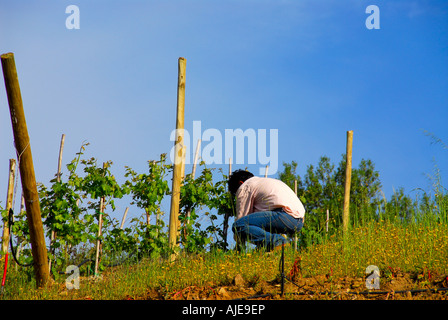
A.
pixel 9 196
pixel 26 167
pixel 348 178
pixel 178 156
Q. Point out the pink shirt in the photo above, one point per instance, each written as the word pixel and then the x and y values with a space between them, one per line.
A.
pixel 264 194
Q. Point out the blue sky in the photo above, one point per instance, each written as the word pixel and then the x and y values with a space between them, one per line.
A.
pixel 310 69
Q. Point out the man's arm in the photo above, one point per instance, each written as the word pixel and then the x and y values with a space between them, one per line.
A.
pixel 244 202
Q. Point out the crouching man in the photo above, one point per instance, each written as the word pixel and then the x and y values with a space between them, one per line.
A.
pixel 266 208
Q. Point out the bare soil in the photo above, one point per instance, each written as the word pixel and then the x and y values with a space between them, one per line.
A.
pixel 397 286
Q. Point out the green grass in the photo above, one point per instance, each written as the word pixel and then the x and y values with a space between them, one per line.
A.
pixel 384 244
pixel 135 280
pixel 408 247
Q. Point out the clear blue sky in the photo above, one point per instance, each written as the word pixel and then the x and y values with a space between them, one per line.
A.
pixel 310 69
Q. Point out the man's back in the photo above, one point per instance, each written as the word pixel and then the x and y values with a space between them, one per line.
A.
pixel 265 194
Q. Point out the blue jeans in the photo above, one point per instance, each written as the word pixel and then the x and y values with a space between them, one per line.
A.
pixel 265 228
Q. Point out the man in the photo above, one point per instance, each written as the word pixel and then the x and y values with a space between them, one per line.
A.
pixel 266 208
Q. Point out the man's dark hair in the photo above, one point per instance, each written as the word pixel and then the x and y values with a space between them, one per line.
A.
pixel 236 177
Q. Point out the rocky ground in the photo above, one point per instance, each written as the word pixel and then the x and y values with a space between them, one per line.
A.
pixel 396 286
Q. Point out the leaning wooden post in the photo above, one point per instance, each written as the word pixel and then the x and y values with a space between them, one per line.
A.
pixel 9 196
pixel 26 167
pixel 178 157
pixel 348 178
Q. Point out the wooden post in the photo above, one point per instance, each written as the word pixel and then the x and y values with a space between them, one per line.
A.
pixel 26 167
pixel 348 178
pixel 296 238
pixel 148 217
pixel 326 221
pixel 148 214
pixel 98 241
pixel 196 157
pixel 9 196
pixel 100 225
pixel 19 242
pixel 193 171
pixel 184 153
pixel 61 149
pixel 230 167
pixel 58 178
pixel 178 157
pixel 124 217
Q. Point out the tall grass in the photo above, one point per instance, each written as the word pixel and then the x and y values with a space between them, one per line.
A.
pixel 415 241
pixel 138 280
pixel 385 244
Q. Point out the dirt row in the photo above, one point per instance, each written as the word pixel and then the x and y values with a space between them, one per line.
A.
pixel 401 286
